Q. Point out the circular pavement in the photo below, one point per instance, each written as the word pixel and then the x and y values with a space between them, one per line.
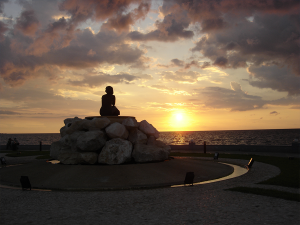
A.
pixel 43 175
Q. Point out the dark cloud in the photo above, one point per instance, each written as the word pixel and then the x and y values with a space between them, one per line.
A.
pixel 172 28
pixel 3 29
pixel 186 65
pixel 201 10
pixel 177 62
pixel 27 23
pixel 221 62
pixel 122 22
pixel 213 24
pixel 1 5
pixel 102 78
pixel 232 40
pixel 31 46
pixel 235 100
pixel 255 42
pixel 293 101
pixel 44 10
pixel 81 10
pixel 6 112
pixel 56 48
pixel 280 79
pixel 49 101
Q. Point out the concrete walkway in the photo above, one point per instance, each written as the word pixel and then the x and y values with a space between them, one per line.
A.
pixel 202 204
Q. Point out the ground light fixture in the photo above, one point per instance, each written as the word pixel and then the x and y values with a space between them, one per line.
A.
pixel 216 156
pixel 189 178
pixel 3 161
pixel 250 163
pixel 25 183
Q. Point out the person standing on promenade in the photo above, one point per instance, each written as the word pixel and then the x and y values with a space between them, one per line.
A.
pixel 15 144
pixel 108 107
pixel 8 145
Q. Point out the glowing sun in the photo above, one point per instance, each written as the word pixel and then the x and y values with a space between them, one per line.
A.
pixel 179 116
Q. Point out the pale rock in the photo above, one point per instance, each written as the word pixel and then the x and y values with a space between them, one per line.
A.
pixel 89 157
pixel 57 147
pixel 76 125
pixel 70 158
pixel 148 153
pixel 116 151
pixel 95 124
pixel 116 130
pixel 148 129
pixel 70 120
pixel 130 123
pixel 101 123
pixel 91 141
pixel 86 125
pixel 137 136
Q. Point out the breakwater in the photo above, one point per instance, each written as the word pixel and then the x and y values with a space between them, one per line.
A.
pixel 200 148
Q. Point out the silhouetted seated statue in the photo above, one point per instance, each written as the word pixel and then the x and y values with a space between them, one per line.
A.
pixel 108 107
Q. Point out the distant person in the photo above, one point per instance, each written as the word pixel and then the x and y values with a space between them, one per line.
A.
pixel 15 144
pixel 8 145
pixel 108 107
pixel 192 142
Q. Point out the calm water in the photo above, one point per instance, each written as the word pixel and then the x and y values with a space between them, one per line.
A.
pixel 237 137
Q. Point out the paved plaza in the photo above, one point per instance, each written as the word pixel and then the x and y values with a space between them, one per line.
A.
pixel 201 204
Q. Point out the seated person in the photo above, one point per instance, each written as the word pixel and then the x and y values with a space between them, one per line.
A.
pixel 108 107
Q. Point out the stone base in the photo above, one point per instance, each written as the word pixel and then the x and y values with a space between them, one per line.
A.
pixel 113 119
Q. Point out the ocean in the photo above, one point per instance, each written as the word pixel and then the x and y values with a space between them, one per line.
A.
pixel 274 137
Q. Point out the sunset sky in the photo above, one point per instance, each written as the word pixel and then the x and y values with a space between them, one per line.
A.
pixel 179 64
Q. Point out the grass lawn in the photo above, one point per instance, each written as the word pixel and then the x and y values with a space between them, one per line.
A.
pixel 39 154
pixel 288 177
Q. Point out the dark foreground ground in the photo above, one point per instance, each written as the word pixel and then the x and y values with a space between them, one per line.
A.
pixel 210 203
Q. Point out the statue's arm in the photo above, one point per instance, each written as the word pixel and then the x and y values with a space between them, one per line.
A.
pixel 114 100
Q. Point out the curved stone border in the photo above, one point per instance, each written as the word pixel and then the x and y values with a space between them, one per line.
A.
pixel 238 171
pixel 258 173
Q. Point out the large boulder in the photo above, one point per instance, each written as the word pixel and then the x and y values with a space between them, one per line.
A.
pixel 95 124
pixel 91 141
pixel 116 151
pixel 137 136
pixel 70 158
pixel 82 140
pixel 147 153
pixel 101 123
pixel 116 130
pixel 89 157
pixel 58 147
pixel 71 120
pixel 151 140
pixel 148 129
pixel 130 123
pixel 76 125
pixel 71 139
pixel 63 131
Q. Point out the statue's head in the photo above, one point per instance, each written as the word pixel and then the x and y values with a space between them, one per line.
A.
pixel 109 90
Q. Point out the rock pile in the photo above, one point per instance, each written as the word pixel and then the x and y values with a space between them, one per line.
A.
pixel 101 141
